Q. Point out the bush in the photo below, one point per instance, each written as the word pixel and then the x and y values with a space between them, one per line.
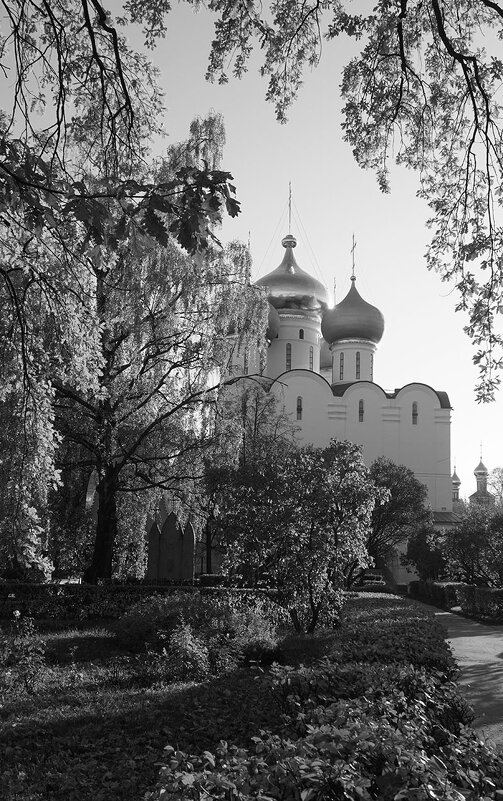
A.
pixel 466 599
pixel 350 732
pixel 22 655
pixel 186 655
pixel 439 593
pixel 234 628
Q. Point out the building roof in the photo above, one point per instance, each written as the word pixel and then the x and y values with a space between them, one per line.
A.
pixel 338 391
pixel 290 287
pixel 446 518
pixel 481 469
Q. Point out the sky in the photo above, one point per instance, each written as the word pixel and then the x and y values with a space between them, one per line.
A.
pixel 333 199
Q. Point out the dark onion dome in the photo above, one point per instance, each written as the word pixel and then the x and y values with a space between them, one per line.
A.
pixel 481 469
pixel 273 324
pixel 353 318
pixel 325 356
pixel 290 287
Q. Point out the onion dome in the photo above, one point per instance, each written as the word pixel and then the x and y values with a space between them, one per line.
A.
pixel 325 356
pixel 456 481
pixel 353 318
pixel 481 470
pixel 290 287
pixel 273 324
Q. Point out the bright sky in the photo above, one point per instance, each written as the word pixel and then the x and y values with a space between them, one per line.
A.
pixel 333 198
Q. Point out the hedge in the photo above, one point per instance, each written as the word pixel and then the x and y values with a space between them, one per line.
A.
pixel 439 593
pixel 87 601
pixel 480 602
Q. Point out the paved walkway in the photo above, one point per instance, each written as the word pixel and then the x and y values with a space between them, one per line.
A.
pixel 478 649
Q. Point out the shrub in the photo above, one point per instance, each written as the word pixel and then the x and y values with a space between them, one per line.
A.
pixel 186 655
pixel 438 593
pixel 235 628
pixel 466 599
pixel 22 654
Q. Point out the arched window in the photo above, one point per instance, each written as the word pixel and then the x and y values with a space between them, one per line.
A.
pixel 341 367
pixel 288 356
pixel 311 358
pixel 414 414
pixel 371 366
pixel 357 365
pixel 361 411
pixel 301 333
pixel 299 408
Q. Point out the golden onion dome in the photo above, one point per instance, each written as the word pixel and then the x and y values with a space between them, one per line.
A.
pixel 290 287
pixel 353 318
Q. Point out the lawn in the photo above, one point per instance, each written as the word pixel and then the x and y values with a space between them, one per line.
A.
pixel 95 721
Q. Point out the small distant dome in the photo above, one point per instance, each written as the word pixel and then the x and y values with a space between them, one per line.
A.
pixel 273 324
pixel 481 469
pixel 325 356
pixel 353 318
pixel 290 287
pixel 456 481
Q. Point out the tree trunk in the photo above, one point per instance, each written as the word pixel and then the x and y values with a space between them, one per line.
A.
pixel 106 531
pixel 209 549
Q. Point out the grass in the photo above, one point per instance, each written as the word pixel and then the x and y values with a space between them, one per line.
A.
pixel 100 716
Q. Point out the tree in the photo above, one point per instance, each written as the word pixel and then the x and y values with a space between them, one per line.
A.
pixel 293 520
pixel 473 550
pixel 425 554
pixel 163 329
pixel 420 90
pixel 401 511
pixel 495 483
pixel 248 425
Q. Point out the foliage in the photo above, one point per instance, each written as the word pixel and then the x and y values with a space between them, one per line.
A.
pixel 293 520
pixel 230 629
pixel 495 484
pixel 483 603
pixel 425 553
pixel 473 550
pixel 422 89
pixel 351 729
pixel 186 655
pixel 22 656
pixel 439 593
pixel 399 513
pixel 248 425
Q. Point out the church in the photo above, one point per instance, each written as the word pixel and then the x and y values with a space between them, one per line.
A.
pixel 321 364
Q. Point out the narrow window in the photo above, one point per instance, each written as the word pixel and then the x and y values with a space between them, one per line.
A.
pixel 245 362
pixel 357 365
pixel 311 358
pixel 299 408
pixel 341 367
pixel 288 356
pixel 361 411
pixel 414 414
pixel 371 366
pixel 301 333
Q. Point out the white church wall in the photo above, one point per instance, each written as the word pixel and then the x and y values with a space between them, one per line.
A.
pixel 386 429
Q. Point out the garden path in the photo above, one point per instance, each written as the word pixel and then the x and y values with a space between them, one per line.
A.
pixel 478 650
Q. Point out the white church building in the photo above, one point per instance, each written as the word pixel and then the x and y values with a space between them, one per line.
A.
pixel 321 363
